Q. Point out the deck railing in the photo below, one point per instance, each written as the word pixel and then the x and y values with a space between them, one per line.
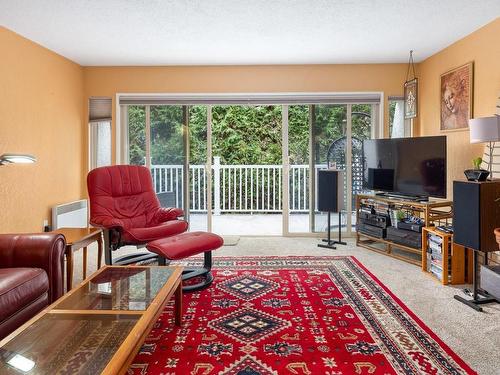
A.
pixel 236 188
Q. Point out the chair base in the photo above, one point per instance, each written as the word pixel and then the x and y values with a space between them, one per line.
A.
pixel 123 260
pixel 204 272
pixel 189 273
pixel 134 258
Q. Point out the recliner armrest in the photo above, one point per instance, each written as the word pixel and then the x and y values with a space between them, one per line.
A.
pixel 36 250
pixel 106 222
pixel 168 213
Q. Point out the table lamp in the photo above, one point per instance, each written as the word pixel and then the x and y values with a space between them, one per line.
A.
pixel 486 130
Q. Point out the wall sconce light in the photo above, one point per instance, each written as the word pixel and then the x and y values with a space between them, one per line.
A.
pixel 16 159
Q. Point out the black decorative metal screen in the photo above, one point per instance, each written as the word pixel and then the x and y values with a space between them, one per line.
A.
pixel 337 156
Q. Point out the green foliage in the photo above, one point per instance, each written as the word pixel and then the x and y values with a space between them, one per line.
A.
pixel 247 134
pixel 298 134
pixel 137 134
pixel 241 134
pixel 476 162
pixel 400 215
pixel 392 111
pixel 167 135
pixel 198 134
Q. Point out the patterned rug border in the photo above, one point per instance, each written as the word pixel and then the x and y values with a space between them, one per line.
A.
pixel 294 258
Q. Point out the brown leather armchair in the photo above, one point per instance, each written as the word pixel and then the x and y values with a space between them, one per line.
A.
pixel 31 276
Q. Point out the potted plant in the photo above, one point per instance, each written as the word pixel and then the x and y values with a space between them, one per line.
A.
pixel 400 215
pixel 396 216
pixel 476 174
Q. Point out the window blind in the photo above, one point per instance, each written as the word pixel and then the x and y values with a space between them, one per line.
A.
pixel 249 99
pixel 100 109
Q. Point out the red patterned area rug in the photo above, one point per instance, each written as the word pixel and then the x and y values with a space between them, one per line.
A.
pixel 294 315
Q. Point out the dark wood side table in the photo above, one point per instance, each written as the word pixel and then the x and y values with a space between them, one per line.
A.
pixel 80 238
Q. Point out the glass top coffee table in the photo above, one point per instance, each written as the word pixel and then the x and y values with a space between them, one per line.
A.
pixel 96 328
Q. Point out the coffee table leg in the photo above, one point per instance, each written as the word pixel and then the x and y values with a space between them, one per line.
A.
pixel 178 305
pixel 69 269
pixel 99 251
pixel 84 262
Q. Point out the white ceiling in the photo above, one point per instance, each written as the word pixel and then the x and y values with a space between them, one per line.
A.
pixel 220 32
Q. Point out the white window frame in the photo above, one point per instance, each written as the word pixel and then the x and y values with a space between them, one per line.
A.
pixel 93 143
pixel 284 99
pixel 407 123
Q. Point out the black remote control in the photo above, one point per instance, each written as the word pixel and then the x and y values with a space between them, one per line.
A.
pixel 445 229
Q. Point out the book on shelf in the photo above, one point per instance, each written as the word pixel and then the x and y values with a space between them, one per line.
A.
pixel 435 247
pixel 435 239
pixel 436 263
pixel 438 272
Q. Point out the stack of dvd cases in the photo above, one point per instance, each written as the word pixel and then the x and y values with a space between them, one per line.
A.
pixel 435 255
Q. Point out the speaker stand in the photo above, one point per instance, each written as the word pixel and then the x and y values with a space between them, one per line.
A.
pixel 479 296
pixel 330 244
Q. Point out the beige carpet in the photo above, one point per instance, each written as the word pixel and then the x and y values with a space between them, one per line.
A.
pixel 472 335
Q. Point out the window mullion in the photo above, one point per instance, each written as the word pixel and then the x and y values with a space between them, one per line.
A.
pixel 148 137
pixel 348 174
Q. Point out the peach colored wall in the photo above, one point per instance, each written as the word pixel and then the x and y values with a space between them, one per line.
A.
pixel 107 81
pixel 482 47
pixel 43 105
pixel 41 109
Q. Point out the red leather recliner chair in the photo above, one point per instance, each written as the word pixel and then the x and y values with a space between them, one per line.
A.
pixel 123 203
pixel 31 276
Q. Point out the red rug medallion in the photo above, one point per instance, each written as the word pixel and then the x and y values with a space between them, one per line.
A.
pixel 263 316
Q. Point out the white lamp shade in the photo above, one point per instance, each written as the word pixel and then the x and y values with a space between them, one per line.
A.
pixel 484 129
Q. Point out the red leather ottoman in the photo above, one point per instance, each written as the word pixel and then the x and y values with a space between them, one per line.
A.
pixel 185 245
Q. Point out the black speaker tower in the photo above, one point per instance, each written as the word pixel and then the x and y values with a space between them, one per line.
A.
pixel 330 188
pixel 476 213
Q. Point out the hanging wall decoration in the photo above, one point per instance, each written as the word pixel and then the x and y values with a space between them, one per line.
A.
pixel 411 91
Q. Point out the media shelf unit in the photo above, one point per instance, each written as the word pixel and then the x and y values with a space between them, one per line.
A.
pixel 450 258
pixel 433 212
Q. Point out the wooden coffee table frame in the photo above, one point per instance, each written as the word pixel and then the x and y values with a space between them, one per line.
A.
pixel 125 354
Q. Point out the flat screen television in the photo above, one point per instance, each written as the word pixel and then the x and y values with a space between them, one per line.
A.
pixel 406 166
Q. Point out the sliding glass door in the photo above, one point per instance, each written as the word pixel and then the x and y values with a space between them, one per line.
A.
pixel 250 169
pixel 364 126
pixel 325 136
pixel 246 149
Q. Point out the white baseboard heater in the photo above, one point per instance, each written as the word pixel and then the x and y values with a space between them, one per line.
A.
pixel 70 215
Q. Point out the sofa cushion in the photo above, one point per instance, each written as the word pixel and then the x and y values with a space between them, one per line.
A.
pixel 19 287
pixel 21 316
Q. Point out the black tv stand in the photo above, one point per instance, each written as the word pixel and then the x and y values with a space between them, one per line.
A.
pixel 416 198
